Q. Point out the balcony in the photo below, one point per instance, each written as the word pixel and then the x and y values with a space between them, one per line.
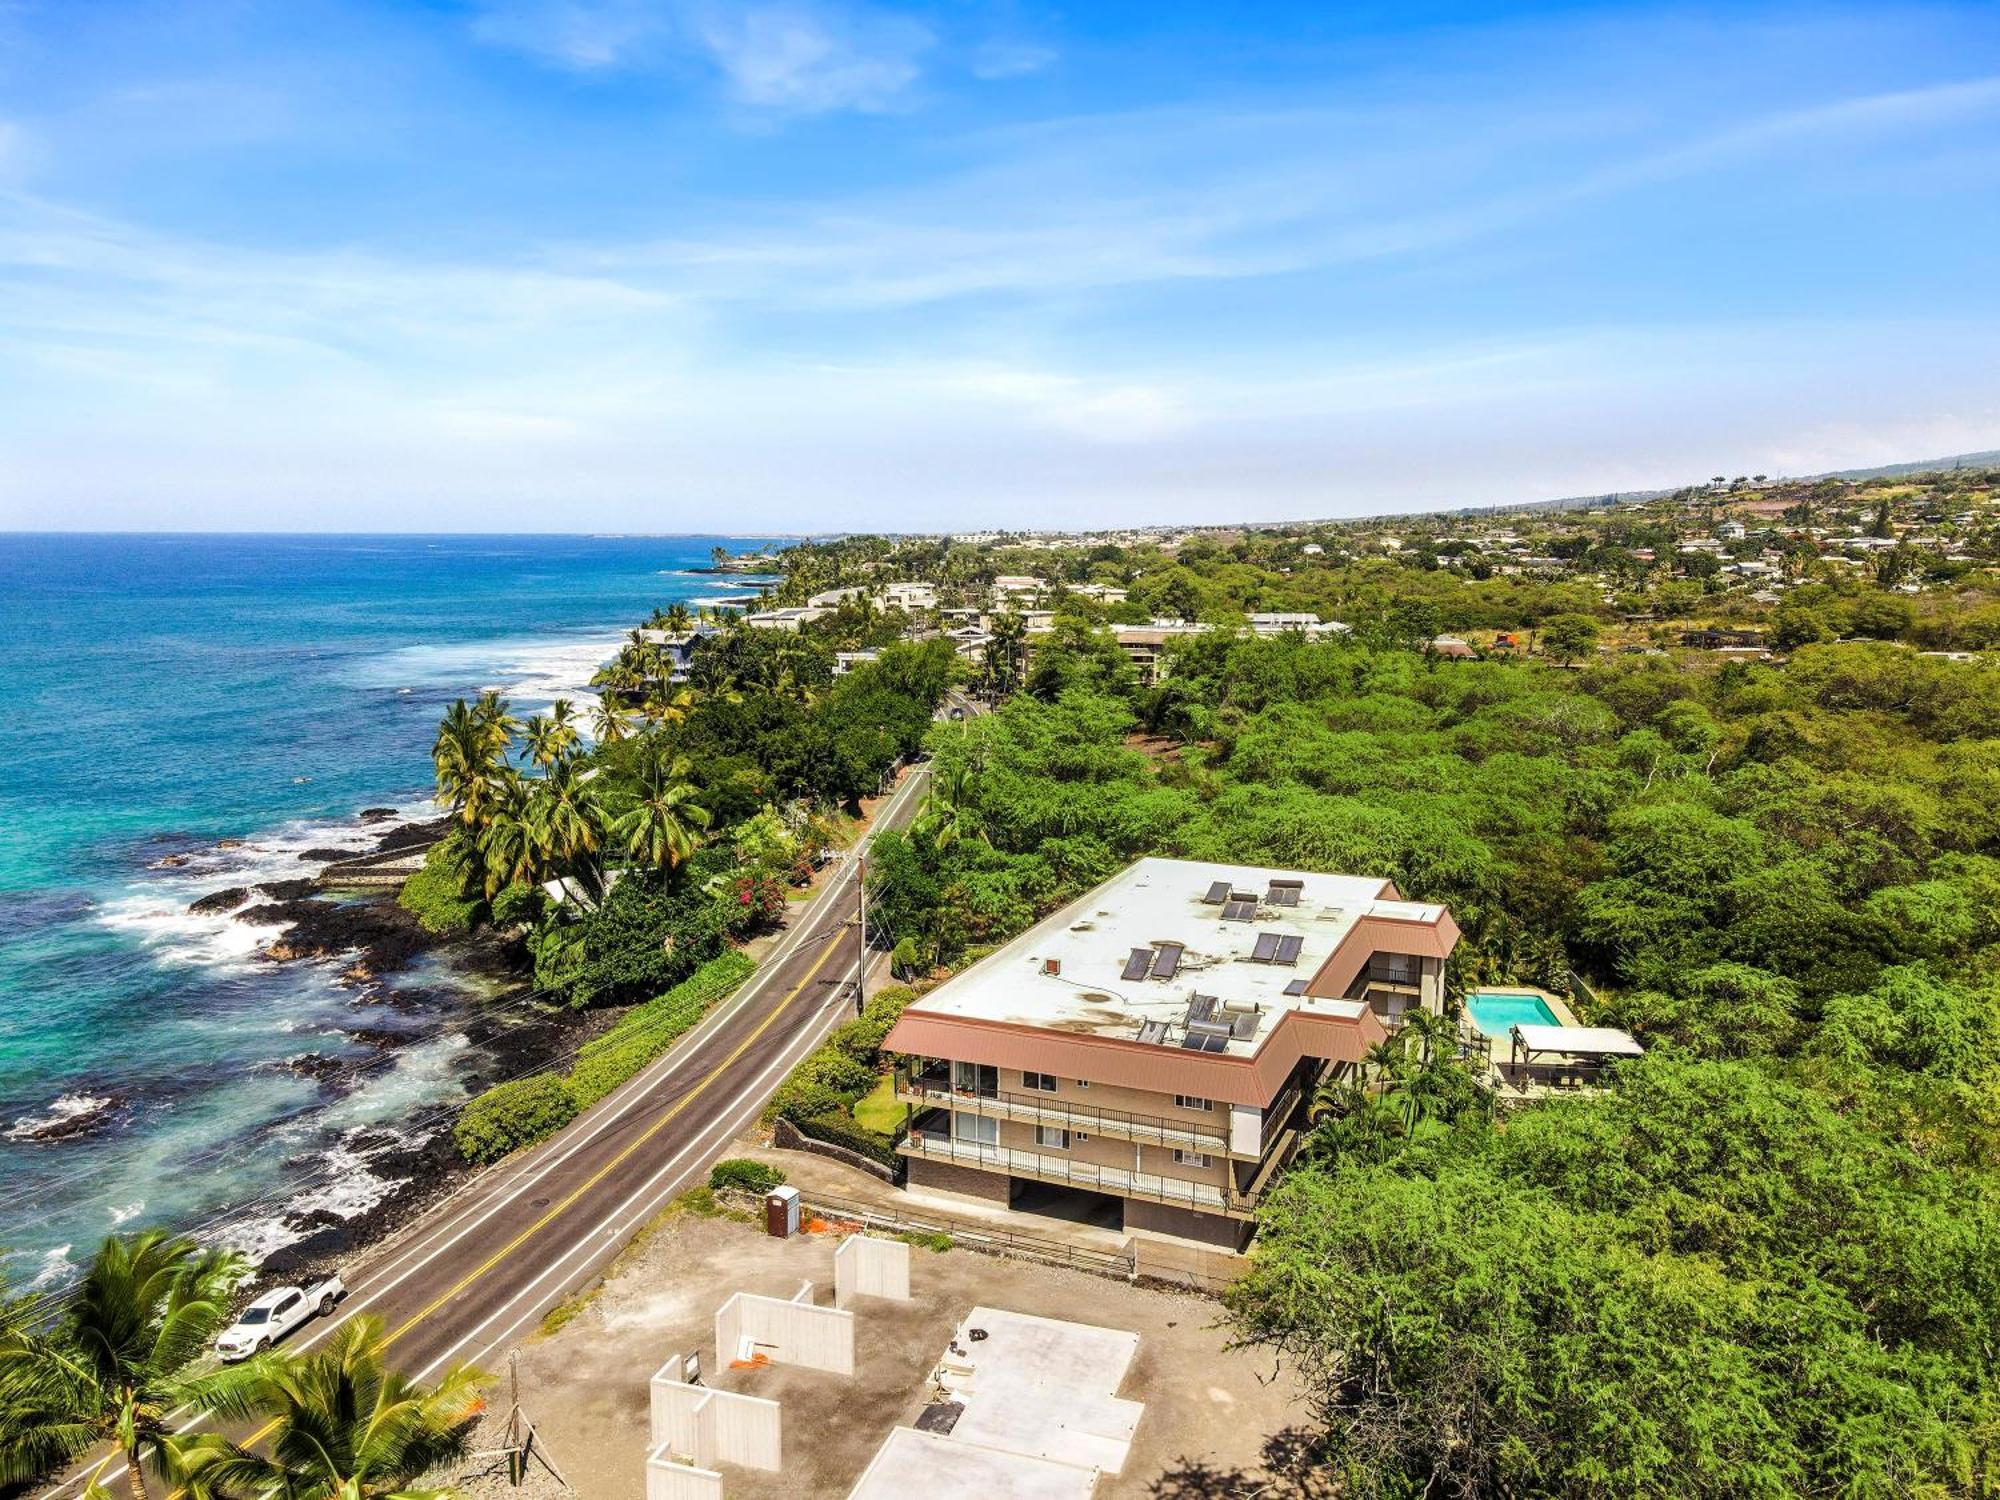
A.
pixel 932 1087
pixel 933 1141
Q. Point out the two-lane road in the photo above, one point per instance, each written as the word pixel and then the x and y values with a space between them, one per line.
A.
pixel 473 1275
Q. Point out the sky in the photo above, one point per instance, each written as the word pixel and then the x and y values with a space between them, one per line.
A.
pixel 817 265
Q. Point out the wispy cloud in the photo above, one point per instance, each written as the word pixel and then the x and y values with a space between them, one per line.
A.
pixel 789 56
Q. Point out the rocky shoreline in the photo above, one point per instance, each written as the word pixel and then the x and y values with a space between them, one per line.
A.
pixel 373 938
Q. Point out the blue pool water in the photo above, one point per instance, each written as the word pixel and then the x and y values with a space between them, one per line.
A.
pixel 171 692
pixel 1497 1012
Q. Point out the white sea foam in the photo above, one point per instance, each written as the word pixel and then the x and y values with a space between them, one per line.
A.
pixel 128 1212
pixel 67 1113
pixel 154 908
pixel 530 671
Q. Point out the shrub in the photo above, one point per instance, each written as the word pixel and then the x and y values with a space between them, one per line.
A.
pixel 512 1115
pixel 749 1176
pixel 436 894
pixel 840 1130
pixel 650 1029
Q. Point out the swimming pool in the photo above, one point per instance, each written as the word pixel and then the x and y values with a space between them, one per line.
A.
pixel 1498 1012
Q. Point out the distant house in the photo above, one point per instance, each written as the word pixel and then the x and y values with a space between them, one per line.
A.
pixel 1312 549
pixel 846 661
pixel 1731 531
pixel 1143 645
pixel 908 596
pixel 783 619
pixel 1103 593
pixel 677 647
pixel 1720 640
pixel 1453 648
pixel 834 598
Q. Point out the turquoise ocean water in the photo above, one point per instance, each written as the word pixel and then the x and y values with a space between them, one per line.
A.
pixel 171 694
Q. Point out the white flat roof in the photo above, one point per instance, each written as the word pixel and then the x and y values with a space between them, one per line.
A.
pixel 1162 901
pixel 1579 1041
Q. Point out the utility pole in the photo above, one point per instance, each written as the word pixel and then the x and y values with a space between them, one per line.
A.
pixel 861 929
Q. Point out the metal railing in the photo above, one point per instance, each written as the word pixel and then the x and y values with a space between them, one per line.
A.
pixel 936 1088
pixel 992 1239
pixel 1119 1182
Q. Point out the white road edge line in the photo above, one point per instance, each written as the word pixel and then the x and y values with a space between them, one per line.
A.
pixel 511 1190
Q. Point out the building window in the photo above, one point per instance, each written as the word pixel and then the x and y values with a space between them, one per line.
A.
pixel 1050 1136
pixel 1191 1101
pixel 1043 1082
pixel 975 1129
pixel 1189 1158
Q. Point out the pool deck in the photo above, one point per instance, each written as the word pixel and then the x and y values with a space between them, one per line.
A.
pixel 1509 1088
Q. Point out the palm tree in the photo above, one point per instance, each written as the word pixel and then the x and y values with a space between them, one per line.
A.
pixel 470 756
pixel 552 738
pixel 607 720
pixel 659 828
pixel 661 708
pixel 111 1368
pixel 677 618
pixel 568 820
pixel 510 849
pixel 343 1426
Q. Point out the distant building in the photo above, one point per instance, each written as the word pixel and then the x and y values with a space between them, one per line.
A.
pixel 908 596
pixel 846 661
pixel 1453 648
pixel 1731 531
pixel 783 619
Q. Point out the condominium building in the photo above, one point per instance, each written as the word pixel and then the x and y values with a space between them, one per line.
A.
pixel 1156 1041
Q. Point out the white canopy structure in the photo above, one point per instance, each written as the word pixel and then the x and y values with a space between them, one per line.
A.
pixel 1574 1041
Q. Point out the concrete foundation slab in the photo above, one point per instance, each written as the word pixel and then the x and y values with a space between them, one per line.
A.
pixel 922 1463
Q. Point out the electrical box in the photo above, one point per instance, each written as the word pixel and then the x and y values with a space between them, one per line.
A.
pixel 781 1212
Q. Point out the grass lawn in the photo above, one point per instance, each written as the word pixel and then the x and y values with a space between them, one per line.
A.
pixel 880 1110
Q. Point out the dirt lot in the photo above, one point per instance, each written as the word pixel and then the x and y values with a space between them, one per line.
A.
pixel 1212 1417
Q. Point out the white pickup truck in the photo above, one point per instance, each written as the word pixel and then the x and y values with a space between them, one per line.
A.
pixel 276 1314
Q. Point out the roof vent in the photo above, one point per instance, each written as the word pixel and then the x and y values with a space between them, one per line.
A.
pixel 1052 966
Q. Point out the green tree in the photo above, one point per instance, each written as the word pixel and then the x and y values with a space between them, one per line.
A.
pixel 1569 636
pixel 660 827
pixel 344 1426
pixel 116 1361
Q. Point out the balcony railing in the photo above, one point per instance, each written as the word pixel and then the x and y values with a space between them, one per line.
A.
pixel 934 1087
pixel 937 1144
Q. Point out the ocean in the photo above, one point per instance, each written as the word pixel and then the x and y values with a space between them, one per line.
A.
pixel 195 713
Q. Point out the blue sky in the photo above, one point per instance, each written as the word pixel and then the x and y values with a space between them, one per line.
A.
pixel 684 265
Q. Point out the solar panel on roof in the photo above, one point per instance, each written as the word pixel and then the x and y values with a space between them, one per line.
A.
pixel 1216 894
pixel 1190 1043
pixel 1266 949
pixel 1244 1025
pixel 1289 945
pixel 1136 966
pixel 1285 892
pixel 1167 961
pixel 1215 1044
pixel 1236 910
pixel 1296 987
pixel 1153 1031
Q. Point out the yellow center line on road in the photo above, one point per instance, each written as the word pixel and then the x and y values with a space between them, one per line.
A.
pixel 596 1177
pixel 604 1171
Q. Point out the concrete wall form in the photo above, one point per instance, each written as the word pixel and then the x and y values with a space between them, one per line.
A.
pixel 786 1333
pixel 712 1427
pixel 667 1480
pixel 865 1266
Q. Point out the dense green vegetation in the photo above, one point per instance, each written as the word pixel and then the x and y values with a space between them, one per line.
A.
pixel 1766 1263
pixel 522 1111
pixel 631 861
pixel 819 1095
